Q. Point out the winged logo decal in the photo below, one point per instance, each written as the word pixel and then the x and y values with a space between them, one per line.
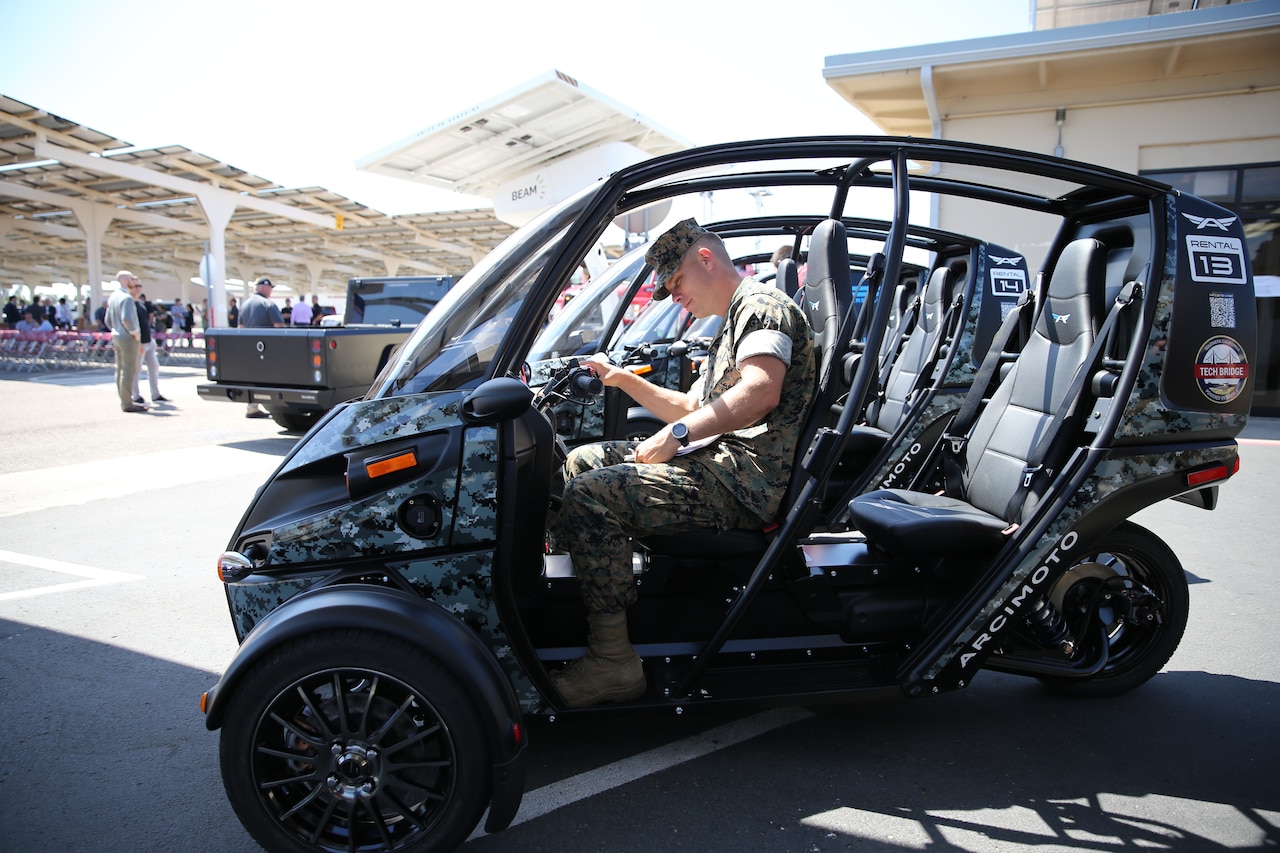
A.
pixel 1203 222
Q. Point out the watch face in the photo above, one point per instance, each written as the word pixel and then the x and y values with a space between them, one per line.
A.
pixel 681 432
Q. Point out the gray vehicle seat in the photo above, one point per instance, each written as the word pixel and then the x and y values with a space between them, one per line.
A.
pixel 826 297
pixel 911 369
pixel 788 277
pixel 1004 437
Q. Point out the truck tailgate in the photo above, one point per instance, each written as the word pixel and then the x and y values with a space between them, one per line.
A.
pixel 266 356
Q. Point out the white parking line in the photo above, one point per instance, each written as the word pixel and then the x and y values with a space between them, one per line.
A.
pixel 566 792
pixel 93 576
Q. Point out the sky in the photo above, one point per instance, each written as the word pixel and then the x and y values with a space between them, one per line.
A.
pixel 296 92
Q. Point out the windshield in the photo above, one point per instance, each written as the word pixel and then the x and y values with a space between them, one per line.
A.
pixel 577 329
pixel 453 347
pixel 661 320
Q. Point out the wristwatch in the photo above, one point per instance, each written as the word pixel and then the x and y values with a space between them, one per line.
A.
pixel 681 433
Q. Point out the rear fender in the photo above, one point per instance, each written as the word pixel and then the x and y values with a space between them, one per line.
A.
pixel 422 623
pixel 1127 480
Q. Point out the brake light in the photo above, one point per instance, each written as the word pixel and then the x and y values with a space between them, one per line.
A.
pixel 1210 475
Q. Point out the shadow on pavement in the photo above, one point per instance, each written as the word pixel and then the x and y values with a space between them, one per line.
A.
pixel 270 446
pixel 107 750
pixel 1185 762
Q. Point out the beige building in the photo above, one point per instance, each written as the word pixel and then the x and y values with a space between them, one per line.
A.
pixel 1185 91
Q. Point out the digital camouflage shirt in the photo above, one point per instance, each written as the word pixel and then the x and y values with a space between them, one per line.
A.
pixel 755 463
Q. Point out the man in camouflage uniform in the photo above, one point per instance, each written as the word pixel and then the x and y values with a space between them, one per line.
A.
pixel 749 402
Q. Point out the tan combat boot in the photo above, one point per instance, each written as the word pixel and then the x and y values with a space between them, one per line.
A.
pixel 610 671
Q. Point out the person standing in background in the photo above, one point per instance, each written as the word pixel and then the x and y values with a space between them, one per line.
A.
pixel 126 336
pixel 148 357
pixel 62 314
pixel 260 312
pixel 301 314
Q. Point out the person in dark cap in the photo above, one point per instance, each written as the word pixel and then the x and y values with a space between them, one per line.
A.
pixel 258 311
pixel 723 459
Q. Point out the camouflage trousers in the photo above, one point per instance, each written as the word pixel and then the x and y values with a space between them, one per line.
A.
pixel 608 501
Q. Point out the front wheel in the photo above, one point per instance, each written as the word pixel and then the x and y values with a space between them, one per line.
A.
pixel 1129 594
pixel 353 741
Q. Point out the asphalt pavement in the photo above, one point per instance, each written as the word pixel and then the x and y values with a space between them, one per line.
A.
pixel 112 623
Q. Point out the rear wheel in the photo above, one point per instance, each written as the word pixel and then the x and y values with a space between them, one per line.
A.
pixel 1129 594
pixel 354 741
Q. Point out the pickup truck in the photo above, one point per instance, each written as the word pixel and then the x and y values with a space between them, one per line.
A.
pixel 300 372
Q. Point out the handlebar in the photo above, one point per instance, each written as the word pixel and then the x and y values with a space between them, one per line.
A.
pixel 585 383
pixel 575 381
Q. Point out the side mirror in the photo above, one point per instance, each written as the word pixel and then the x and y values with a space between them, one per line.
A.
pixel 497 400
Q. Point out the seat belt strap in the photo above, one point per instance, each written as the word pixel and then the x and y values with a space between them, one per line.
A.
pixel 949 319
pixel 958 433
pixel 1130 294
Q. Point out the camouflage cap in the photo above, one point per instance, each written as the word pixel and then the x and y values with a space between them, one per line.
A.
pixel 669 250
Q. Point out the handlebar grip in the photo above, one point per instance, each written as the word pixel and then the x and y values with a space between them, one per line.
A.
pixel 588 383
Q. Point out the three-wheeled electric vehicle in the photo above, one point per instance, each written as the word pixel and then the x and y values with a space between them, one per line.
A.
pixel 959 501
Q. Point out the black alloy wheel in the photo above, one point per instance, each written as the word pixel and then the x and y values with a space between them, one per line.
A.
pixel 1128 592
pixel 354 741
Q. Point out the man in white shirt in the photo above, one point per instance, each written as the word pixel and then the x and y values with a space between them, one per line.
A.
pixel 301 314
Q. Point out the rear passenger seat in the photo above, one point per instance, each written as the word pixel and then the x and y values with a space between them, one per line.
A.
pixel 913 367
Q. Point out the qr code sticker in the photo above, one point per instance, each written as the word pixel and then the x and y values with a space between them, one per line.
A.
pixel 1222 311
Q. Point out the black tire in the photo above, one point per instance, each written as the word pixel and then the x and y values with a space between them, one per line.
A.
pixel 354 733
pixel 1129 569
pixel 641 428
pixel 293 420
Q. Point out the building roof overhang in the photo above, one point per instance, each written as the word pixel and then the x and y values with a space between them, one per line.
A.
pixel 59 179
pixel 517 132
pixel 908 91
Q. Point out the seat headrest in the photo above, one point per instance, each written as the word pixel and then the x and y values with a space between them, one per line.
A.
pixel 829 258
pixel 1076 293
pixel 788 277
pixel 828 287
pixel 934 304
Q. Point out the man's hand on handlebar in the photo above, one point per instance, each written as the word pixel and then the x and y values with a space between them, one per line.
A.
pixel 608 372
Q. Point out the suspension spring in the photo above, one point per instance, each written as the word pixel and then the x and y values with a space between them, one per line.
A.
pixel 1048 626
